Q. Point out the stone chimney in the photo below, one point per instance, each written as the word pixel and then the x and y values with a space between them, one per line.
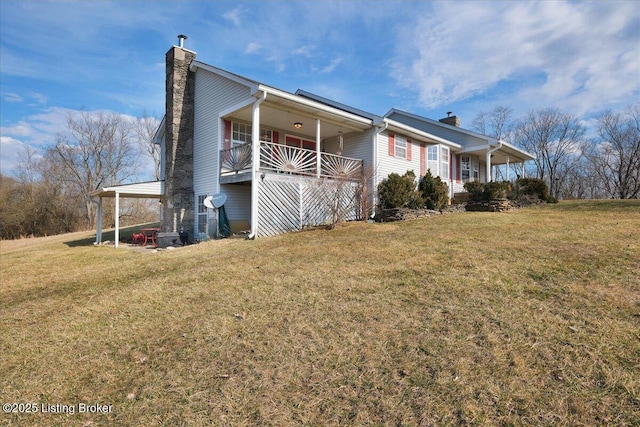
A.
pixel 178 203
pixel 451 120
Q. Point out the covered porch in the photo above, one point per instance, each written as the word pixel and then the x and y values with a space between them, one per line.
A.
pixel 285 146
pixel 284 133
pixel 501 161
pixel 145 190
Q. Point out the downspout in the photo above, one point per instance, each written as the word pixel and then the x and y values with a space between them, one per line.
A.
pixel 255 157
pixel 375 166
pixel 488 162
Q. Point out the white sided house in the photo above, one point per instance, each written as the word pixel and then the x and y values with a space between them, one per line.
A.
pixel 286 161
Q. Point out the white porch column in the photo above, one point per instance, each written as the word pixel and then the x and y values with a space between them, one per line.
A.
pixel 523 169
pixel 99 222
pixel 488 167
pixel 490 151
pixel 117 238
pixel 318 163
pixel 255 168
pixel 508 178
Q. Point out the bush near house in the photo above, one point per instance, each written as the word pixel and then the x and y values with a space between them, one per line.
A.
pixel 433 191
pixel 532 190
pixel 481 192
pixel 398 191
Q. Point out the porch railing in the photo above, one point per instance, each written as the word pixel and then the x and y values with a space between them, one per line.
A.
pixel 286 159
pixel 236 159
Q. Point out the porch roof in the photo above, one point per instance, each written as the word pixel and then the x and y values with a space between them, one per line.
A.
pixel 141 190
pixel 499 157
pixel 281 109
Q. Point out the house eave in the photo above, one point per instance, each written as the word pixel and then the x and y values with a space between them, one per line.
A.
pixel 311 105
pixel 418 134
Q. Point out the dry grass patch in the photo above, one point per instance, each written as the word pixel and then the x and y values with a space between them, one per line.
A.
pixel 527 318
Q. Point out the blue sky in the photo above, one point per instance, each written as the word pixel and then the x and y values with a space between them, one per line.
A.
pixel 427 57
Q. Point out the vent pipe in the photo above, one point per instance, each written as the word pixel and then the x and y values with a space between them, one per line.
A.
pixel 181 39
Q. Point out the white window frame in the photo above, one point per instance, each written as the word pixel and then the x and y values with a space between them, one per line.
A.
pixel 432 159
pixel 444 162
pixel 465 168
pixel 266 135
pixel 472 168
pixel 202 215
pixel 400 146
pixel 240 133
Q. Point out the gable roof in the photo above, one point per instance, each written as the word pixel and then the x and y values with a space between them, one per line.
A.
pixel 395 111
pixel 476 142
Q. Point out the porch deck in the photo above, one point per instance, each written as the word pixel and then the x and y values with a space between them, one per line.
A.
pixel 235 163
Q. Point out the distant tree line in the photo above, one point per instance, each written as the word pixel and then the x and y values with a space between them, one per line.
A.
pixel 50 193
pixel 574 166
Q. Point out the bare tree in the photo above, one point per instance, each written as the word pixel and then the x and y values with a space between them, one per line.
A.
pixel 554 138
pixel 616 156
pixel 95 150
pixel 145 129
pixel 496 123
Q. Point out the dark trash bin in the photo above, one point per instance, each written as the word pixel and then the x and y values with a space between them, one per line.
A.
pixel 184 237
pixel 164 240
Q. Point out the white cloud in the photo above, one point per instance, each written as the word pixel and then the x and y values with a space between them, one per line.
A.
pixel 233 16
pixel 252 48
pixel 586 52
pixel 304 51
pixel 332 66
pixel 12 97
pixel 38 97
pixel 11 152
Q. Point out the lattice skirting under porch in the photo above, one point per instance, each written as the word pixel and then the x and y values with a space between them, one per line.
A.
pixel 290 205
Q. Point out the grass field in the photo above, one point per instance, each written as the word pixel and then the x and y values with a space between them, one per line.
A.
pixel 524 318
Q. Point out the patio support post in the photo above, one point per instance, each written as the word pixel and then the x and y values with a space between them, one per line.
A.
pixel 488 162
pixel 117 218
pixel 99 222
pixel 523 169
pixel 488 167
pixel 255 167
pixel 318 165
pixel 508 178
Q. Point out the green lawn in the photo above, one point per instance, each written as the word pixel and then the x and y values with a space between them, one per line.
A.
pixel 523 318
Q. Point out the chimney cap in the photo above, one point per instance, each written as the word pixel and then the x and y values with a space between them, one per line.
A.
pixel 181 39
pixel 449 113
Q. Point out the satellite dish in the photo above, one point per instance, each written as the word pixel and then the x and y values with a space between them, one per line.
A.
pixel 219 199
pixel 208 202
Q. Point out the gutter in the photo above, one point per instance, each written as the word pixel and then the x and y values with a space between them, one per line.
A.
pixel 256 164
pixel 381 128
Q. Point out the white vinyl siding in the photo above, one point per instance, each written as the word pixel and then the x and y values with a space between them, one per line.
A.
pixel 238 205
pixel 213 94
pixel 387 164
